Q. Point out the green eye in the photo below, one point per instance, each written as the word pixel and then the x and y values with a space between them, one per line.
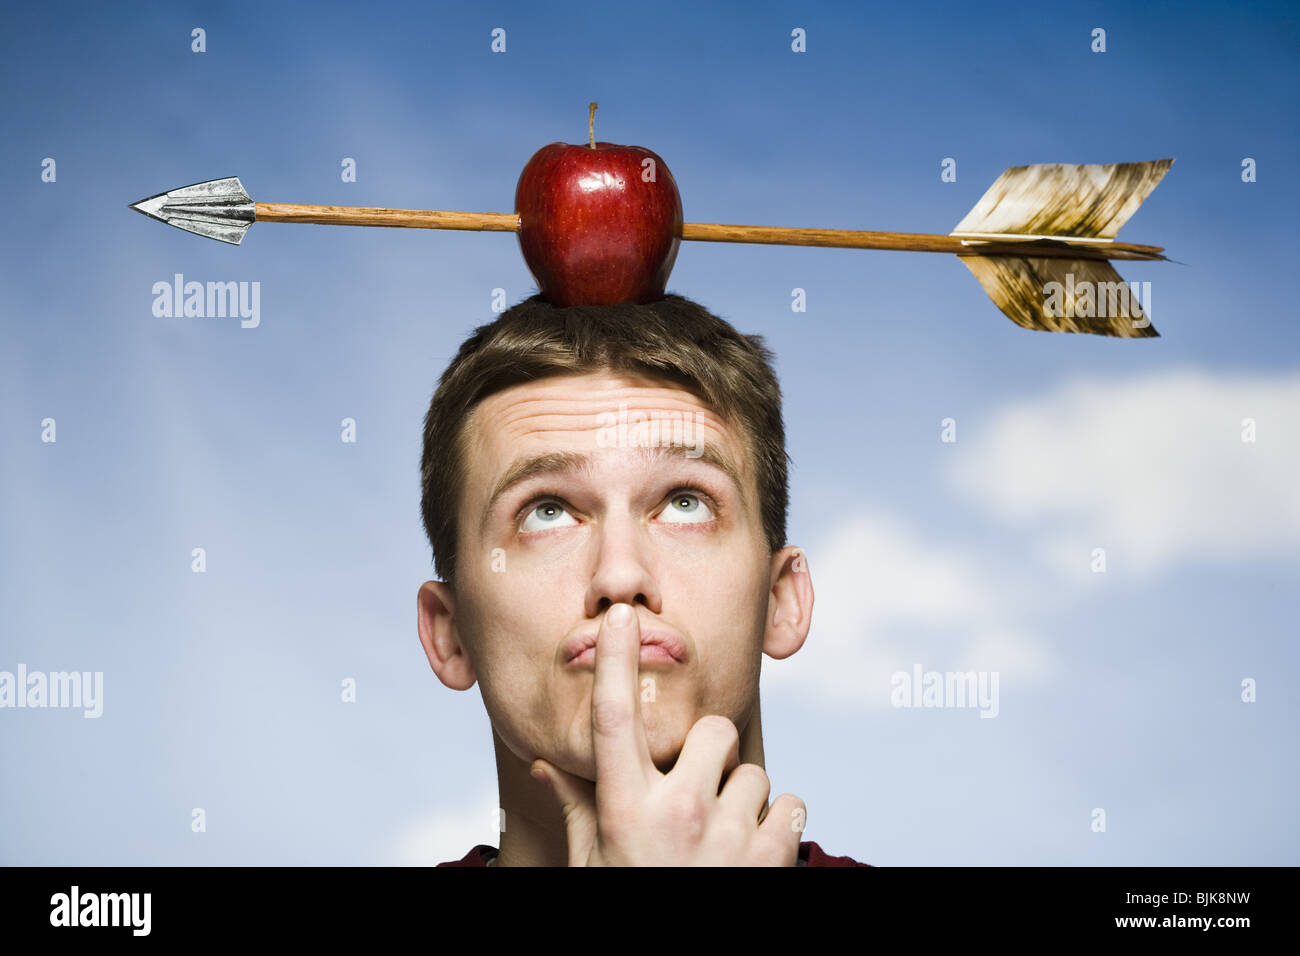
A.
pixel 687 508
pixel 547 514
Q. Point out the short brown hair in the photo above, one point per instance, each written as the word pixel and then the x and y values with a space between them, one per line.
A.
pixel 673 339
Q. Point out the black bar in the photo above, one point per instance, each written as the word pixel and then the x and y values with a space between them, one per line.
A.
pixel 331 905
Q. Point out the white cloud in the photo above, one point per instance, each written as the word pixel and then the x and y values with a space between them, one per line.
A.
pixel 886 600
pixel 1152 469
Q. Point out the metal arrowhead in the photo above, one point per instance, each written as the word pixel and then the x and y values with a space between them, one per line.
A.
pixel 219 209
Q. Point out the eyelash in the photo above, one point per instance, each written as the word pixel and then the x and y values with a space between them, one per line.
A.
pixel 688 489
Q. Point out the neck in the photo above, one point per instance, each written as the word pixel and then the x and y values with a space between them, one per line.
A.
pixel 534 834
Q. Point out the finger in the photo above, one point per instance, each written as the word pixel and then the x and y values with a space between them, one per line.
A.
pixel 710 752
pixel 577 800
pixel 784 824
pixel 745 793
pixel 617 732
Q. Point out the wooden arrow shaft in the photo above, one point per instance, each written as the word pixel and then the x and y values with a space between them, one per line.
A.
pixel 709 232
pixel 911 242
pixel 374 216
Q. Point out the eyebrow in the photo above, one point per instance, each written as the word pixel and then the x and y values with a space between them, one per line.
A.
pixel 556 462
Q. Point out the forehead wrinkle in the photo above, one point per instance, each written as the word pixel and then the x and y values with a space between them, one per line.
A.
pixel 525 421
pixel 585 405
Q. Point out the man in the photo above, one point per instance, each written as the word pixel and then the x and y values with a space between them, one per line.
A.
pixel 605 492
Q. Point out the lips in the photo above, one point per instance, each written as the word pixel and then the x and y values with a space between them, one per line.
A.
pixel 666 646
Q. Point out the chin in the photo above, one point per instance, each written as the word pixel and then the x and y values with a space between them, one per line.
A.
pixel 666 742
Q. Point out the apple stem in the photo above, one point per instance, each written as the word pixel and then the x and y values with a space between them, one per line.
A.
pixel 591 124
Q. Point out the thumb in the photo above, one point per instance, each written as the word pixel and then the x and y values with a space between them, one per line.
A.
pixel 576 798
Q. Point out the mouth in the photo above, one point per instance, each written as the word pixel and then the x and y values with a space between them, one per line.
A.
pixel 657 647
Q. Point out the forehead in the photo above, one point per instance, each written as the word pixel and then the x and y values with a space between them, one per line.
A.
pixel 598 414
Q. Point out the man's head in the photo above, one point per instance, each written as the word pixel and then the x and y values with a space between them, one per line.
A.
pixel 579 457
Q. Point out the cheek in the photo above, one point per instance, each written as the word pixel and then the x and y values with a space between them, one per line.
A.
pixel 723 595
pixel 728 675
pixel 728 618
pixel 543 560
pixel 515 605
pixel 518 622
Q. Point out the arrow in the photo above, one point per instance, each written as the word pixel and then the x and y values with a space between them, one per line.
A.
pixel 219 209
pixel 1036 226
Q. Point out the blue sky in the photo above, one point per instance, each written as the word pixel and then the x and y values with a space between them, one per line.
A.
pixel 1119 691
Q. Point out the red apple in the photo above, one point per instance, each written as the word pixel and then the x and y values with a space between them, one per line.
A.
pixel 599 224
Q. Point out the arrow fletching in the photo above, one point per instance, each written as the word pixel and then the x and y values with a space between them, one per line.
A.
pixel 1056 201
pixel 218 209
pixel 1062 295
pixel 1055 204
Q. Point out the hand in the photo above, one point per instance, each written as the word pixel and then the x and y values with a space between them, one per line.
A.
pixel 635 815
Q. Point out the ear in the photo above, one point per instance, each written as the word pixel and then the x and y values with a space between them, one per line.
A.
pixel 789 605
pixel 436 608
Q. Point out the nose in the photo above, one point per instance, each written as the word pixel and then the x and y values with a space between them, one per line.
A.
pixel 623 571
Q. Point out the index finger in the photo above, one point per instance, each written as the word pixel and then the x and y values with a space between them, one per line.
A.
pixel 617 733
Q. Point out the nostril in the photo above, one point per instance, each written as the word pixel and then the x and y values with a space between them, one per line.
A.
pixel 606 603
